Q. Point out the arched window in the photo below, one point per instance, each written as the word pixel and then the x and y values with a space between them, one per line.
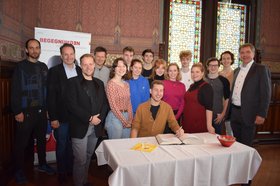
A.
pixel 207 28
pixel 231 26
pixel 184 29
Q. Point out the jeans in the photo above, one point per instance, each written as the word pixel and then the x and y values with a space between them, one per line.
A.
pixel 82 151
pixel 115 128
pixel 64 154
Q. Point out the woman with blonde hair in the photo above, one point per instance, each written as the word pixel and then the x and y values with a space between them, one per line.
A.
pixel 174 90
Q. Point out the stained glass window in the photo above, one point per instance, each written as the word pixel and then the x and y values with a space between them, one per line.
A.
pixel 231 19
pixel 184 29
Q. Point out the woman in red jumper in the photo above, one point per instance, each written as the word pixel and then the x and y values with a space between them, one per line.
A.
pixel 197 114
pixel 174 90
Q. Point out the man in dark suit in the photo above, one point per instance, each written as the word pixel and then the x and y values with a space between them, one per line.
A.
pixel 250 96
pixel 58 114
pixel 88 107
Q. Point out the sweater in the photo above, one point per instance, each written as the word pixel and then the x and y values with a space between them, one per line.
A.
pixel 139 91
pixel 174 92
pixel 147 126
pixel 29 85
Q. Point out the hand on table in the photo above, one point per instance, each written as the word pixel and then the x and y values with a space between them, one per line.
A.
pixel 180 132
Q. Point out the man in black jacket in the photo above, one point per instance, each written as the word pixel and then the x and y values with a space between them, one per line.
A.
pixel 28 102
pixel 88 106
pixel 58 113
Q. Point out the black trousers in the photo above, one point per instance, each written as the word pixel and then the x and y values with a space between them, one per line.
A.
pixel 168 130
pixel 33 126
pixel 243 132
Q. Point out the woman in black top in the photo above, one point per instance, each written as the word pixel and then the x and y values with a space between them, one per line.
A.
pixel 198 109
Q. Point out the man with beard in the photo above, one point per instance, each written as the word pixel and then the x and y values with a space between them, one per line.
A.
pixel 88 105
pixel 28 102
pixel 151 117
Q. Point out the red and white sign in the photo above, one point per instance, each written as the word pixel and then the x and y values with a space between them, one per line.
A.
pixel 51 40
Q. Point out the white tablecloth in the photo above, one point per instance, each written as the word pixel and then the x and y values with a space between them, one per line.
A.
pixel 178 165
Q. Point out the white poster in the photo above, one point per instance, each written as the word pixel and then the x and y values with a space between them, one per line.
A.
pixel 51 40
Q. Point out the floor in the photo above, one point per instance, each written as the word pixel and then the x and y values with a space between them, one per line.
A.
pixel 268 174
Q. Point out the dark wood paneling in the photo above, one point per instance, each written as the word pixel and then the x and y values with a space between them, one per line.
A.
pixel 208 30
pixel 6 120
pixel 270 130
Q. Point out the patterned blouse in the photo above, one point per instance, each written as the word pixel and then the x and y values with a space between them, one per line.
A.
pixel 119 100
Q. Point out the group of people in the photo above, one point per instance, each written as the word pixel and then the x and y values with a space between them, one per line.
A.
pixel 130 99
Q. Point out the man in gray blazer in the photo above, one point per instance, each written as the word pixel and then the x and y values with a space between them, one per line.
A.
pixel 250 96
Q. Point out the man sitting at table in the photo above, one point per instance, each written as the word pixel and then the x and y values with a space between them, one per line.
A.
pixel 151 117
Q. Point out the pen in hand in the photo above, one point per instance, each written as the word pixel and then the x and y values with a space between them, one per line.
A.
pixel 180 131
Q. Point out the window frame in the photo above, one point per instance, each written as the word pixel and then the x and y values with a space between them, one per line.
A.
pixel 209 27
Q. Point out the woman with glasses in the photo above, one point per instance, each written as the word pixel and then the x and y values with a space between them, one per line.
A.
pixel 221 92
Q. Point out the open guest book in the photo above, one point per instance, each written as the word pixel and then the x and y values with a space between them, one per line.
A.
pixel 172 139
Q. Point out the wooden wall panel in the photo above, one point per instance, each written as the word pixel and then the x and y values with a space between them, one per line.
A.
pixel 269 45
pixel 6 123
pixel 276 119
pixel 276 105
pixel 270 23
pixel 269 34
pixel 271 127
